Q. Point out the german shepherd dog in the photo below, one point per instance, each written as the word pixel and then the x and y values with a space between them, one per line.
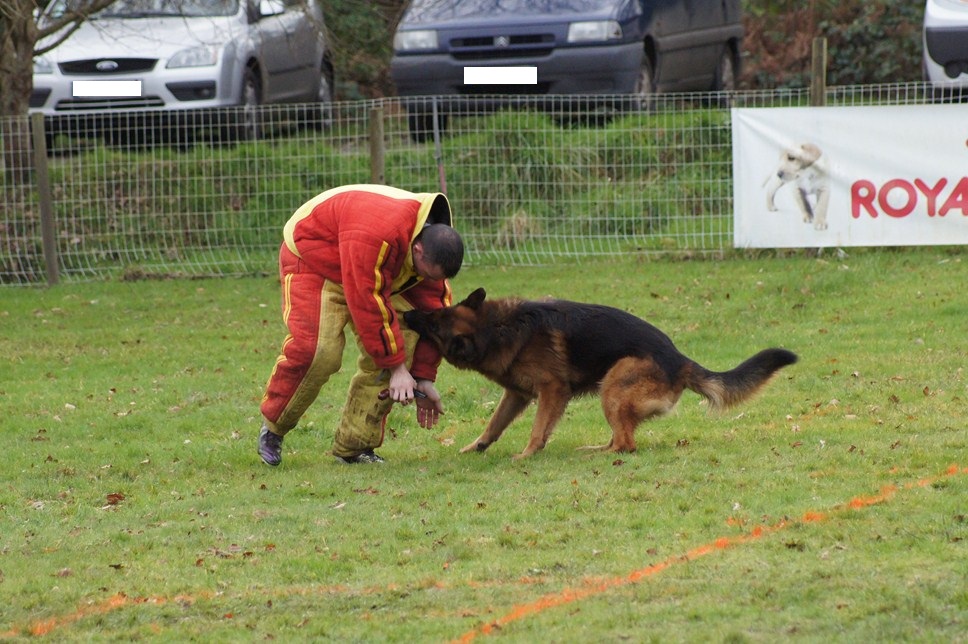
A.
pixel 554 350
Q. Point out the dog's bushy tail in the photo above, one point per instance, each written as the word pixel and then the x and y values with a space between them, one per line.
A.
pixel 727 388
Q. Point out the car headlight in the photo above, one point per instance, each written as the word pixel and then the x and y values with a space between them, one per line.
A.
pixel 594 31
pixel 42 66
pixel 194 57
pixel 424 39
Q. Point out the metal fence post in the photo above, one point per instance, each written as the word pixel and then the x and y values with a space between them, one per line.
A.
pixel 438 152
pixel 377 147
pixel 49 239
pixel 818 72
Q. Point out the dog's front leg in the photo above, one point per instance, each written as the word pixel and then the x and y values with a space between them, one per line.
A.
pixel 508 409
pixel 773 183
pixel 552 400
pixel 803 203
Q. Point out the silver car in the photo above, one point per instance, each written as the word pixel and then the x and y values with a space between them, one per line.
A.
pixel 185 57
pixel 945 41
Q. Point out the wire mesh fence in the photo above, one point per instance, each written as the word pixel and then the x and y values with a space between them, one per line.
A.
pixel 532 180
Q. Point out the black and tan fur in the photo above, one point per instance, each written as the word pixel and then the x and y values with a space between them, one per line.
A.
pixel 554 350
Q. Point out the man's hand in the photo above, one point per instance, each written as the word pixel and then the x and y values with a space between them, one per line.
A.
pixel 402 384
pixel 429 407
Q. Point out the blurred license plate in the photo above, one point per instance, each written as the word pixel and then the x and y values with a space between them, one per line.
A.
pixel 104 89
pixel 500 75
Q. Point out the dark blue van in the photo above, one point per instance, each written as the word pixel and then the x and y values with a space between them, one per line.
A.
pixel 599 47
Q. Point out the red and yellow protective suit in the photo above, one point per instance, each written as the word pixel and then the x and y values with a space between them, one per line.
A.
pixel 346 260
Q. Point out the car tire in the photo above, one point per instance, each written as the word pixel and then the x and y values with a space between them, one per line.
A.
pixel 643 97
pixel 422 125
pixel 248 125
pixel 725 78
pixel 319 116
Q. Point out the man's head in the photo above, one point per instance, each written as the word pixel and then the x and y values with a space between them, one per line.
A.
pixel 438 252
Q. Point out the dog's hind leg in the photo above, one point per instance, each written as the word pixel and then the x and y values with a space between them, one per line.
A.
pixel 823 203
pixel 552 400
pixel 633 390
pixel 508 409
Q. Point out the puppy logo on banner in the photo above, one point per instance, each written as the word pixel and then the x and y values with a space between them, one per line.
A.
pixel 850 176
pixel 804 167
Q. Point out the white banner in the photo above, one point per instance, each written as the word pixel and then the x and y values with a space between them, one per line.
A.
pixel 850 176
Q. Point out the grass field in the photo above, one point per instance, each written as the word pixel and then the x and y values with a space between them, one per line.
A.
pixel 834 507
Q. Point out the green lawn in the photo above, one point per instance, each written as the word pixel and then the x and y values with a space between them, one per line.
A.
pixel 832 507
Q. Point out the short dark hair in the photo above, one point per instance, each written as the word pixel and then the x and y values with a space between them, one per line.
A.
pixel 442 247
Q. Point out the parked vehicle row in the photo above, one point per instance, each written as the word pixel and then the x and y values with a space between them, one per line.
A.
pixel 186 59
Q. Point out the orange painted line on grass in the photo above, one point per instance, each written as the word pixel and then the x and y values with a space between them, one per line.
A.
pixel 115 602
pixel 569 596
pixel 121 600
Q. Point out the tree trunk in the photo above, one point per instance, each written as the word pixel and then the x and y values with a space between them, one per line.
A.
pixel 18 34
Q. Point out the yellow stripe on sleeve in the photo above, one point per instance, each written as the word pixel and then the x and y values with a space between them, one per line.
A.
pixel 287 298
pixel 377 289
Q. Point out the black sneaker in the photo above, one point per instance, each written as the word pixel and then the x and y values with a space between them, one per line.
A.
pixel 369 456
pixel 270 447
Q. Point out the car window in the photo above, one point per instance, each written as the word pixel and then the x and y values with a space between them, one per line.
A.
pixel 146 8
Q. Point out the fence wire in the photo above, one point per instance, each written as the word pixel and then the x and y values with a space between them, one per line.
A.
pixel 533 180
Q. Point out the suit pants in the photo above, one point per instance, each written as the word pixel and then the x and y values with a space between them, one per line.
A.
pixel 315 312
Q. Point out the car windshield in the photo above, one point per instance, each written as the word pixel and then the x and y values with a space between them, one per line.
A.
pixel 431 10
pixel 138 8
pixel 146 8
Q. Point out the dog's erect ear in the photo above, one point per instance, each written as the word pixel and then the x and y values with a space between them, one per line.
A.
pixel 474 300
pixel 463 349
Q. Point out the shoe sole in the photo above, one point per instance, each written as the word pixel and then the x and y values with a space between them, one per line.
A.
pixel 354 461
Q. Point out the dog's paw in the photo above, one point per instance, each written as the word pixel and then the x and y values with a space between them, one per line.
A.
pixel 476 446
pixel 530 450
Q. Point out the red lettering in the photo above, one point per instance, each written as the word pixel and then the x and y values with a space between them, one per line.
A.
pixel 931 193
pixel 958 199
pixel 905 210
pixel 862 194
pixel 867 198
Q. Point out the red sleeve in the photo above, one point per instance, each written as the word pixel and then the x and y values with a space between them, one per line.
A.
pixel 427 296
pixel 426 359
pixel 368 268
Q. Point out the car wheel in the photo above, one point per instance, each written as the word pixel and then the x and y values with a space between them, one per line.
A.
pixel 422 125
pixel 725 73
pixel 320 115
pixel 249 118
pixel 325 93
pixel 644 95
pixel 724 81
